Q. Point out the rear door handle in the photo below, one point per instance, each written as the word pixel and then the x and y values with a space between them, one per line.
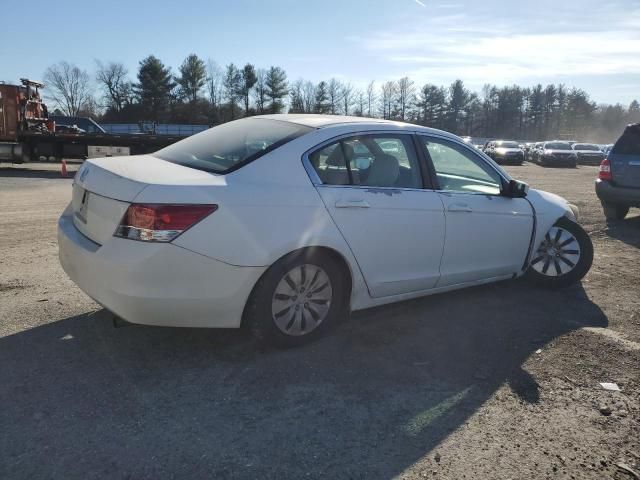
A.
pixel 459 207
pixel 352 204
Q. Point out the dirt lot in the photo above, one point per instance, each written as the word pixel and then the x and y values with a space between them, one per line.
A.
pixel 496 382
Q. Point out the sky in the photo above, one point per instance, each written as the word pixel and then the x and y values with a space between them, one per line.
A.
pixel 589 44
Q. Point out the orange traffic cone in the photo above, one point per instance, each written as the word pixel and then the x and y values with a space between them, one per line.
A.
pixel 63 168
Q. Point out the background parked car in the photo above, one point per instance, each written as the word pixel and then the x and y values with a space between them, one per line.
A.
pixel 534 150
pixel 588 153
pixel 618 183
pixel 606 148
pixel 557 154
pixel 505 152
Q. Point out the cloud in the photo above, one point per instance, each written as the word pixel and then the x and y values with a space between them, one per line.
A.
pixel 464 45
pixel 419 2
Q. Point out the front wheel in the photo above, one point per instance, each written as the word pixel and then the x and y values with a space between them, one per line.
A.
pixel 563 258
pixel 297 299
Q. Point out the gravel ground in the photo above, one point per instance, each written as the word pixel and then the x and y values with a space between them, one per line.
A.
pixel 498 382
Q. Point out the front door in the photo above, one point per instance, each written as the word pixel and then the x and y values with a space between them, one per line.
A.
pixel 487 235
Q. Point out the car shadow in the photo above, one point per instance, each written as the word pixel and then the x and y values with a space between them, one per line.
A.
pixel 627 230
pixel 81 399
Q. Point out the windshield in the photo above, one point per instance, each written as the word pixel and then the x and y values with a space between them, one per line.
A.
pixel 226 147
pixel 585 146
pixel 557 146
pixel 508 145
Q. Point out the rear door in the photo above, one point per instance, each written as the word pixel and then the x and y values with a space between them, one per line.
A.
pixel 372 186
pixel 624 158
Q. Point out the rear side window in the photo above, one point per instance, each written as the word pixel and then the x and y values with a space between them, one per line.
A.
pixel 369 160
pixel 629 142
pixel 229 146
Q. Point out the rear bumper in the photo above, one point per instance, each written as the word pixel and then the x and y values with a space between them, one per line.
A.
pixel 156 283
pixel 609 193
pixel 590 160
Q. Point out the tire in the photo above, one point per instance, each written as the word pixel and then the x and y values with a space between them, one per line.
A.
pixel 285 317
pixel 558 263
pixel 614 212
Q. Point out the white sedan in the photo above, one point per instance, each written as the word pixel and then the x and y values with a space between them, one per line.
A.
pixel 286 223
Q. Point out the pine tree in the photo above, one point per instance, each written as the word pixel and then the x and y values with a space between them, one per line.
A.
pixel 192 79
pixel 249 79
pixel 154 87
pixel 321 98
pixel 276 83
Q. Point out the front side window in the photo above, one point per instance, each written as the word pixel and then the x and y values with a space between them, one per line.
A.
pixel 369 160
pixel 226 147
pixel 460 170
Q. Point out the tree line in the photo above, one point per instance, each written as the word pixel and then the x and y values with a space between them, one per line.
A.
pixel 202 92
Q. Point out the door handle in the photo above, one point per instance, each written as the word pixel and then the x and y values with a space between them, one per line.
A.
pixel 352 204
pixel 459 207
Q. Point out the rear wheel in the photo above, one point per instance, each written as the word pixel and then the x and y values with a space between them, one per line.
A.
pixel 297 299
pixel 564 257
pixel 614 212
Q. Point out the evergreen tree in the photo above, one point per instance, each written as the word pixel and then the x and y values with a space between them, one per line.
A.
pixel 458 99
pixel 431 102
pixel 154 87
pixel 321 98
pixel 232 85
pixel 276 83
pixel 193 77
pixel 249 79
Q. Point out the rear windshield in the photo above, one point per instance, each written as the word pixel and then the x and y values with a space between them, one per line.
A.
pixel 585 146
pixel 557 146
pixel 629 142
pixel 508 145
pixel 227 147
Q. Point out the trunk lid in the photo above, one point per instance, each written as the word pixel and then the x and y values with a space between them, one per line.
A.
pixel 104 188
pixel 625 158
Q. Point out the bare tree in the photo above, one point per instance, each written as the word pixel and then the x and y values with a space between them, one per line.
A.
pixel 334 92
pixel 388 99
pixel 405 96
pixel 296 102
pixel 371 97
pixel 260 90
pixel 215 78
pixel 361 102
pixel 347 93
pixel 117 90
pixel 69 87
pixel 309 96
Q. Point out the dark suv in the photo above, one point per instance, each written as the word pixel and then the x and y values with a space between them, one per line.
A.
pixel 618 183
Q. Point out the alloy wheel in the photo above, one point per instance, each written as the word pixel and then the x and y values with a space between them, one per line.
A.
pixel 301 300
pixel 558 254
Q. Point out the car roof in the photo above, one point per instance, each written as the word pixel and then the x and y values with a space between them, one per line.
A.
pixel 320 121
pixel 329 121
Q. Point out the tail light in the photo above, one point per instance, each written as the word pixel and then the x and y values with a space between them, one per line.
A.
pixel 605 171
pixel 160 223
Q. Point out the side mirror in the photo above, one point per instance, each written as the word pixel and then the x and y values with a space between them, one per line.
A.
pixel 515 189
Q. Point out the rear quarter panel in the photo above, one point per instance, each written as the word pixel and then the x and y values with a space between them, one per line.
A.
pixel 267 209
